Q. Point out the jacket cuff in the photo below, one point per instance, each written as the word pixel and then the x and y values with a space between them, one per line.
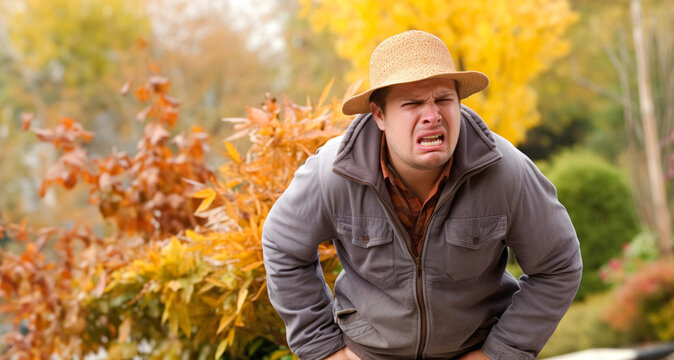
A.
pixel 321 349
pixel 496 350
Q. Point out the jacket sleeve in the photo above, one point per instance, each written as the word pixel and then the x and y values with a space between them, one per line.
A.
pixel 546 247
pixel 293 230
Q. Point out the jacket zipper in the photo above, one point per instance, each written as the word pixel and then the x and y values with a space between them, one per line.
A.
pixel 417 259
pixel 422 305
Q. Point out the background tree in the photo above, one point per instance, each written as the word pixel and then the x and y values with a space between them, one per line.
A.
pixel 603 80
pixel 512 44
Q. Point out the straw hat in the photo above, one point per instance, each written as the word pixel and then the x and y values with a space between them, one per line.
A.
pixel 412 56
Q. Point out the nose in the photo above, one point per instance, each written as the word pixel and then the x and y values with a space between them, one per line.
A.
pixel 430 114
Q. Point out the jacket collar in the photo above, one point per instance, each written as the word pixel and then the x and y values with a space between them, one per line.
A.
pixel 358 154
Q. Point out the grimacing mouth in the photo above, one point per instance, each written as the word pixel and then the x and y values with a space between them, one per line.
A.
pixel 431 140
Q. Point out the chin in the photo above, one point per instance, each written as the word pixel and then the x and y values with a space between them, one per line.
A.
pixel 432 164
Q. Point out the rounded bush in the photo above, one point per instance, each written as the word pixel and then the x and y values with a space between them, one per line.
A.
pixel 597 196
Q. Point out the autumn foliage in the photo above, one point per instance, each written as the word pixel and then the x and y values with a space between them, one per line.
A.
pixel 181 275
pixel 511 42
pixel 644 305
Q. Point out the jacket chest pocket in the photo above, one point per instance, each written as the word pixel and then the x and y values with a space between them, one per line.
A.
pixel 472 245
pixel 369 245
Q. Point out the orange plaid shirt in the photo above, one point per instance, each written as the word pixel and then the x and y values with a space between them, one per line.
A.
pixel 413 213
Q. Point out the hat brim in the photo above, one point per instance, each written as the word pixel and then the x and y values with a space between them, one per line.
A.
pixel 470 82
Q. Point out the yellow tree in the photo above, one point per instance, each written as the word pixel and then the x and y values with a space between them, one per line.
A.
pixel 74 41
pixel 511 42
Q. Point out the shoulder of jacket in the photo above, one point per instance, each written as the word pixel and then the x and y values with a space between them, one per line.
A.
pixel 326 156
pixel 513 164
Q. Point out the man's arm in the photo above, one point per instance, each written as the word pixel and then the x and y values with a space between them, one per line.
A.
pixel 293 230
pixel 546 247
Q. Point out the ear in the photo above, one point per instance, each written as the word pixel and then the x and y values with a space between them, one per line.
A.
pixel 378 115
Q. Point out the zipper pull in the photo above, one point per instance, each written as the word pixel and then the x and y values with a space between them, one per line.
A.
pixel 417 261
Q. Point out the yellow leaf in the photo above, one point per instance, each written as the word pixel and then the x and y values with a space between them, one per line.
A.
pixel 278 354
pixel 173 323
pixel 191 234
pixel 167 309
pixel 324 94
pixel 203 193
pixel 224 321
pixel 205 288
pixel 174 252
pixel 232 184
pixel 221 349
pixel 184 321
pixel 230 336
pixel 252 266
pixel 232 152
pixel 210 301
pixel 216 282
pixel 242 298
pixel 208 194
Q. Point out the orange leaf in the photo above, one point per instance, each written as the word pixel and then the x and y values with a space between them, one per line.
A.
pixel 233 153
pixel 252 266
pixel 30 254
pixel 26 119
pixel 142 93
pixel 67 122
pixel 208 194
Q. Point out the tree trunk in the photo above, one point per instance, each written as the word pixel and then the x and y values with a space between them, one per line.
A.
pixel 651 141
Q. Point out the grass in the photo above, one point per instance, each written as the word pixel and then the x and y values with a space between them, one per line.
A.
pixel 582 328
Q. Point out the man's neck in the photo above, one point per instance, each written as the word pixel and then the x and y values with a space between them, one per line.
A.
pixel 421 182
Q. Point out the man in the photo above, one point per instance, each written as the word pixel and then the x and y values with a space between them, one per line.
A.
pixel 421 201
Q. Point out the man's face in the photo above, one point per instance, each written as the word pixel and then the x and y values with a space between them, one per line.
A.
pixel 421 122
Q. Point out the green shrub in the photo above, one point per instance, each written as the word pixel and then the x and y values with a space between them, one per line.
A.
pixel 598 199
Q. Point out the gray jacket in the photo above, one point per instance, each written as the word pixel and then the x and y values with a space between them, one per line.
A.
pixel 457 296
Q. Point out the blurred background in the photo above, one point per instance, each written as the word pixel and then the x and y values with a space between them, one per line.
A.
pixel 583 87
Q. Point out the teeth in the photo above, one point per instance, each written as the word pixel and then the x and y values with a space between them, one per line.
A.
pixel 433 140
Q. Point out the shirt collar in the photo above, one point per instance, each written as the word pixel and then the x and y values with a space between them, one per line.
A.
pixel 389 173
